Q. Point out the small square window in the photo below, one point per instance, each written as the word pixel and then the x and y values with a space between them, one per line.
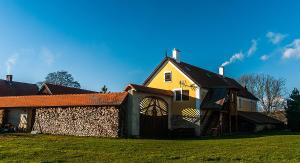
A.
pixel 178 95
pixel 185 95
pixel 168 77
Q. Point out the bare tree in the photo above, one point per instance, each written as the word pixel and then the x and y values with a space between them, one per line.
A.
pixel 269 90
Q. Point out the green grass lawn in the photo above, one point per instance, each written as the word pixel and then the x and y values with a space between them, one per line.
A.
pixel 274 147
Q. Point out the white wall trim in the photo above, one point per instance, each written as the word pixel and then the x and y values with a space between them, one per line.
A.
pixel 198 98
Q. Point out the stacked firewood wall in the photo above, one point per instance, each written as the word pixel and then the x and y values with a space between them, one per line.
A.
pixel 78 121
pixel 2 114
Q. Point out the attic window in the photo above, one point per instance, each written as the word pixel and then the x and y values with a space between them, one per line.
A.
pixel 168 76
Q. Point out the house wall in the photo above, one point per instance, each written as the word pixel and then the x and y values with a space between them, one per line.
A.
pixel 244 104
pixel 185 114
pixel 79 121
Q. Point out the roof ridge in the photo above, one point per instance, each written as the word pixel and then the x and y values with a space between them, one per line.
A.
pixel 67 87
pixel 18 82
pixel 82 94
pixel 205 70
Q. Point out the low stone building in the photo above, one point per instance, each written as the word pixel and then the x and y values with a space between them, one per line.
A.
pixel 15 117
pixel 75 114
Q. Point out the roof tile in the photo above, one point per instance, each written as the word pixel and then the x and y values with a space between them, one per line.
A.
pixel 95 99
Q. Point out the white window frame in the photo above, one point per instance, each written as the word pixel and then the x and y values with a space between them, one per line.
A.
pixel 165 76
pixel 177 89
pixel 182 94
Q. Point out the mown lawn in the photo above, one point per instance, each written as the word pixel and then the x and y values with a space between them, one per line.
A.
pixel 271 147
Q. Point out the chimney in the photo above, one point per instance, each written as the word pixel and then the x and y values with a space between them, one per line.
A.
pixel 9 78
pixel 221 70
pixel 176 55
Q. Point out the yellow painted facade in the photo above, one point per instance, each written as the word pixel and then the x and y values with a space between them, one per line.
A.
pixel 179 82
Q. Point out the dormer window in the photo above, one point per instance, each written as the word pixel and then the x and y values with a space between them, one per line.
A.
pixel 168 76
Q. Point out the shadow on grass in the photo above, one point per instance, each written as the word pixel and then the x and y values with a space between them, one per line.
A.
pixel 233 136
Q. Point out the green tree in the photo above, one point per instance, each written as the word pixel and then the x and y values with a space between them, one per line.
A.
pixel 62 78
pixel 293 110
pixel 104 89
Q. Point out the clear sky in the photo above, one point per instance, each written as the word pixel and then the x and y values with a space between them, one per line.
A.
pixel 120 42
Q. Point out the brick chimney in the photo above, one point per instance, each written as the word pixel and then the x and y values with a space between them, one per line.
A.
pixel 9 78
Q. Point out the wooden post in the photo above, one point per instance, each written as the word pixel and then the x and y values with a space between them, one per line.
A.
pixel 221 123
pixel 229 116
pixel 236 121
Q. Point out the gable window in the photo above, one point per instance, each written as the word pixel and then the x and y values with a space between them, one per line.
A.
pixel 185 95
pixel 182 95
pixel 168 76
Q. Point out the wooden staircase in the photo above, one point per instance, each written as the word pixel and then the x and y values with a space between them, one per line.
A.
pixel 210 124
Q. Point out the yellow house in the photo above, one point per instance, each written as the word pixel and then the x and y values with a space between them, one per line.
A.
pixel 191 87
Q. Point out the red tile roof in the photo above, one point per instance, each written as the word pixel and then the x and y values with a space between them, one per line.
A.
pixel 17 88
pixel 96 99
pixel 58 90
pixel 144 89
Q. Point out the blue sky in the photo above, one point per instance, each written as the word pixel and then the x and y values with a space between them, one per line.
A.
pixel 121 42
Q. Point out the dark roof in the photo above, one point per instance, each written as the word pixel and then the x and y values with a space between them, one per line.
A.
pixel 243 92
pixel 58 90
pixel 144 89
pixel 204 78
pixel 215 98
pixel 12 88
pixel 258 118
pixel 95 99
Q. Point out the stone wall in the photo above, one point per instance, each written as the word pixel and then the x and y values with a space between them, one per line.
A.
pixel 2 113
pixel 79 121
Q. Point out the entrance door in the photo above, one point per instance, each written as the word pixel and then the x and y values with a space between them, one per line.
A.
pixel 153 117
